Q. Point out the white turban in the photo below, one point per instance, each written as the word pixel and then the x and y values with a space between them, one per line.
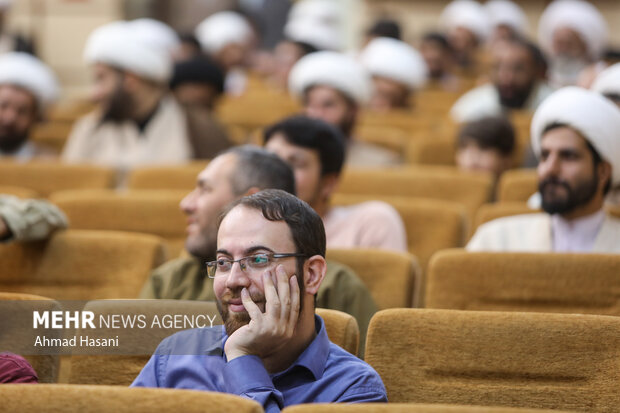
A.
pixel 221 29
pixel 5 4
pixel 608 81
pixel 29 73
pixel 467 14
pixel 589 113
pixel 117 44
pixel 332 69
pixel 395 60
pixel 318 35
pixel 156 34
pixel 506 12
pixel 327 12
pixel 579 16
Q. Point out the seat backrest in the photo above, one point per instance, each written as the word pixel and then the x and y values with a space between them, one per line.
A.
pixel 47 177
pixel 437 182
pixel 341 329
pixel 431 224
pixel 431 151
pixel 71 398
pixel 18 191
pixel 491 211
pixel 81 265
pixel 391 277
pixel 404 408
pixel 154 212
pixel 122 366
pixel 512 281
pixel 517 185
pixel 512 359
pixel 179 177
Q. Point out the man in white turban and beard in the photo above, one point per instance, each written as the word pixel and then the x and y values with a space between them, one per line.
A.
pixel 575 136
pixel 573 34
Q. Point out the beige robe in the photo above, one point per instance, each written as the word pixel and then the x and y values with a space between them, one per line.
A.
pixel 165 140
pixel 532 233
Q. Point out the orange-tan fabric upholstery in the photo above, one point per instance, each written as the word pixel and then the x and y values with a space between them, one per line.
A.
pixel 404 408
pixel 180 177
pixel 491 211
pixel 18 191
pixel 341 329
pixel 517 185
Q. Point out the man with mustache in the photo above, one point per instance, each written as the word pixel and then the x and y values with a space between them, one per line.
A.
pixel 575 136
pixel 269 266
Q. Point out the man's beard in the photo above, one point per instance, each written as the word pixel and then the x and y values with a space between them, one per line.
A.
pixel 234 321
pixel 119 106
pixel 565 71
pixel 517 98
pixel 575 197
pixel 203 245
pixel 11 140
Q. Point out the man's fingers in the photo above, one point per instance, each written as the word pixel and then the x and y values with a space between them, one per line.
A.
pixel 284 292
pixel 272 302
pixel 249 305
pixel 295 300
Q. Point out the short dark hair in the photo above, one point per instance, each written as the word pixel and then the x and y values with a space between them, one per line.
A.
pixel 493 132
pixel 313 134
pixel 259 168
pixel 440 39
pixel 198 69
pixel 596 157
pixel 385 28
pixel 538 58
pixel 305 224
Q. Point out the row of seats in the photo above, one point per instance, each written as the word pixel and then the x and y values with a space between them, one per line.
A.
pixel 537 360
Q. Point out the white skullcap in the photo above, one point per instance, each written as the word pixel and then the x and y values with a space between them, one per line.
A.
pixel 332 69
pixel 156 34
pixel 327 12
pixel 579 16
pixel 320 36
pixel 595 117
pixel 608 81
pixel 506 12
pixel 467 14
pixel 395 60
pixel 29 73
pixel 221 29
pixel 116 44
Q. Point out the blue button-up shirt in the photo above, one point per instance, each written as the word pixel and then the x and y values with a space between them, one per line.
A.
pixel 323 373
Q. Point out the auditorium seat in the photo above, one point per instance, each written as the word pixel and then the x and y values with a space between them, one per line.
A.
pixel 47 177
pixel 510 281
pixel 81 265
pixel 393 278
pixel 431 224
pixel 154 212
pixel 341 328
pixel 517 185
pixel 437 182
pixel 178 177
pixel 18 191
pixel 404 408
pixel 512 359
pixel 491 211
pixel 17 336
pixel 431 150
pixel 70 398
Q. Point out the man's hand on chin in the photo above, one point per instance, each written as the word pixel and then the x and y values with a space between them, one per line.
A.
pixel 269 332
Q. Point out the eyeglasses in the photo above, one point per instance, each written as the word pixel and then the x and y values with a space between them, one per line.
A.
pixel 222 266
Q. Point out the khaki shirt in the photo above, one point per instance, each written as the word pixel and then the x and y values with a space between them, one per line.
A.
pixel 341 289
pixel 31 219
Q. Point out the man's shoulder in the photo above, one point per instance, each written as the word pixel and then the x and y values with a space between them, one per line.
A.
pixel 526 232
pixel 349 367
pixel 515 221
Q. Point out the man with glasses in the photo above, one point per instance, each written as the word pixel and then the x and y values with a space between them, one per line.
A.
pixel 269 266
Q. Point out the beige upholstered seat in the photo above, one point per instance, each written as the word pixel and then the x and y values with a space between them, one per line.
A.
pixel 179 177
pixel 341 329
pixel 404 408
pixel 491 211
pixel 512 359
pixel 517 185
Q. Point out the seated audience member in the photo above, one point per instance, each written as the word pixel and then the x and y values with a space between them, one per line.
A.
pixel 333 87
pixel 574 135
pixel 383 28
pixel 467 27
pixel 508 20
pixel 27 88
pixel 273 349
pixel 189 47
pixel 486 145
pixel 315 151
pixel 15 369
pixel 156 34
pixel 238 172
pixel 137 122
pixel 573 34
pixel 439 58
pixel 197 82
pixel 516 84
pixel 397 70
pixel 607 84
pixel 28 220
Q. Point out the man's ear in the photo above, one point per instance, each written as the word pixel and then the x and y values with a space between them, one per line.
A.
pixel 314 272
pixel 604 173
pixel 251 191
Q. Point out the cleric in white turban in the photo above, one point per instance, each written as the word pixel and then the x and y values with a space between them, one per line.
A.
pixel 156 34
pixel 574 133
pixel 334 87
pixel 137 121
pixel 397 70
pixel 508 20
pixel 27 88
pixel 573 34
pixel 607 83
pixel 226 36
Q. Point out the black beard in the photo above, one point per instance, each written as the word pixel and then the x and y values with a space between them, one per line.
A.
pixel 119 107
pixel 517 100
pixel 10 142
pixel 581 195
